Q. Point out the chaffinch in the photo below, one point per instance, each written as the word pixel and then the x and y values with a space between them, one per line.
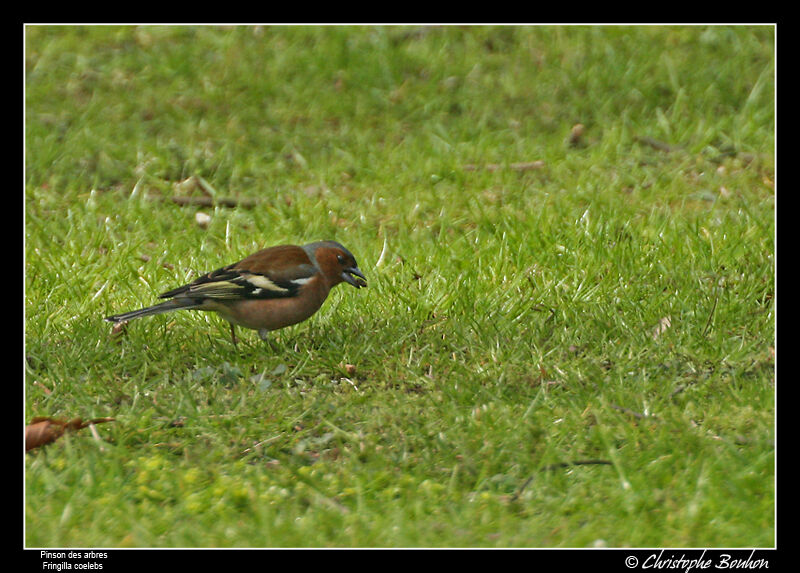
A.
pixel 271 289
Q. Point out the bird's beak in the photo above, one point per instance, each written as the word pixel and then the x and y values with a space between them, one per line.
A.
pixel 349 275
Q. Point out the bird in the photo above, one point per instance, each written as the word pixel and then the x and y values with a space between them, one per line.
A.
pixel 271 289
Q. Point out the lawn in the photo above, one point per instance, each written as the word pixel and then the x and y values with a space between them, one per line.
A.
pixel 568 235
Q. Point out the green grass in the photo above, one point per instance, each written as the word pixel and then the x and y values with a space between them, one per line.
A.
pixel 512 323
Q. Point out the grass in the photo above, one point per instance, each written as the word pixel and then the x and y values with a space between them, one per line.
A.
pixel 615 303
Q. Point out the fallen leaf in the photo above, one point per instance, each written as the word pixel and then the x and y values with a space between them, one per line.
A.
pixel 44 430
pixel 118 329
pixel 575 138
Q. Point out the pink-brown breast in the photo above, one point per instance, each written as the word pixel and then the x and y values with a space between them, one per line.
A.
pixel 272 314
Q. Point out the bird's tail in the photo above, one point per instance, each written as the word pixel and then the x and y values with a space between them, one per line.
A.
pixel 169 306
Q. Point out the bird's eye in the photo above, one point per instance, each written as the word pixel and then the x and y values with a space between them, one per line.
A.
pixel 340 258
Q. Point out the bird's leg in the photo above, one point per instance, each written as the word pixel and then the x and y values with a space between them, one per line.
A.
pixel 233 335
pixel 263 334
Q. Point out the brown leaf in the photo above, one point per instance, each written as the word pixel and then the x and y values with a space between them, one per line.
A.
pixel 575 138
pixel 43 430
pixel 118 329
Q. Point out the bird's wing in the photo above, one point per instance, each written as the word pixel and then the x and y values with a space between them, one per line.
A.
pixel 277 272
